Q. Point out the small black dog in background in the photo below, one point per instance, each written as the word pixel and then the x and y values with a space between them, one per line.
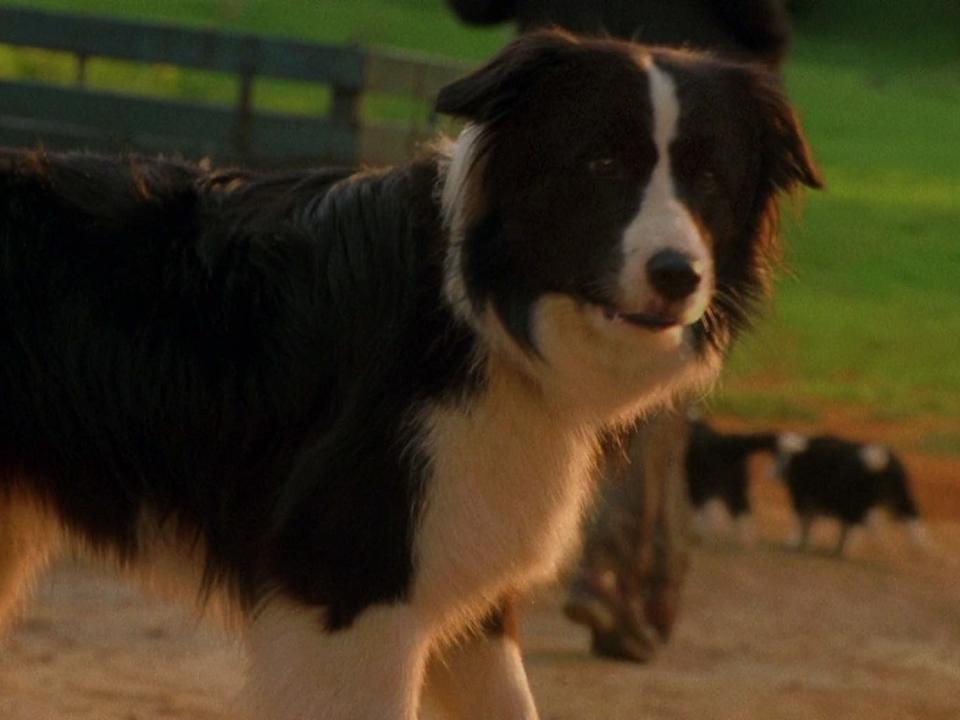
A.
pixel 718 478
pixel 828 476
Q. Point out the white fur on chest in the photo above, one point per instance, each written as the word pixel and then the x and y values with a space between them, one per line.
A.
pixel 509 482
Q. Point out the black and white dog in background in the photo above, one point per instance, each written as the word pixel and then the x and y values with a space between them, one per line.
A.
pixel 718 476
pixel 360 412
pixel 828 476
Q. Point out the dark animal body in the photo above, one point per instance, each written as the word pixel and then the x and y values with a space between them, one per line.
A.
pixel 717 466
pixel 360 410
pixel 175 342
pixel 745 29
pixel 833 477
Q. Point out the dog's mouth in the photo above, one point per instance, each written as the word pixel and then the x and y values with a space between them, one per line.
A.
pixel 653 321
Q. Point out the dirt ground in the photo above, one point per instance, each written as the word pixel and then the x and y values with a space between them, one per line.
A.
pixel 766 633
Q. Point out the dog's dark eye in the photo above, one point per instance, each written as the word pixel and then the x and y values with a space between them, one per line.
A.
pixel 606 167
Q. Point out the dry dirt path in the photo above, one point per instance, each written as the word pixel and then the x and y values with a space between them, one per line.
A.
pixel 766 634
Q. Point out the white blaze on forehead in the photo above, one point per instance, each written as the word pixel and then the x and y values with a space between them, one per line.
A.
pixel 660 204
pixel 875 458
pixel 666 115
pixel 663 221
pixel 462 156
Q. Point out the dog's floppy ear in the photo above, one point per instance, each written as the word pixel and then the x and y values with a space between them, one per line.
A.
pixel 786 155
pixel 488 93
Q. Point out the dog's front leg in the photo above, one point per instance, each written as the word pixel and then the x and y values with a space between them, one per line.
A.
pixel 482 677
pixel 299 670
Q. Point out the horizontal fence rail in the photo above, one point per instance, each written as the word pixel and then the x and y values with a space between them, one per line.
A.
pixel 63 117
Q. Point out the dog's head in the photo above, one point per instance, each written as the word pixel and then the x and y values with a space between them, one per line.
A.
pixel 612 207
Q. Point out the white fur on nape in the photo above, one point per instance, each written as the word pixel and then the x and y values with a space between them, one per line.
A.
pixel 371 671
pixel 875 458
pixel 454 194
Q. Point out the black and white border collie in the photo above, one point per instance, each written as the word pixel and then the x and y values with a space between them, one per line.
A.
pixel 829 476
pixel 360 411
pixel 718 477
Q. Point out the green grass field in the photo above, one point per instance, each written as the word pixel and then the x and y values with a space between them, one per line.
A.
pixel 867 312
pixel 870 313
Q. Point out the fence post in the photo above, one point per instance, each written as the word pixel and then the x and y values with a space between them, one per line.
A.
pixel 80 79
pixel 241 128
pixel 345 106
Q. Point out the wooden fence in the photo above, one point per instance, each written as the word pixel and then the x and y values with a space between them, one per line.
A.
pixel 62 116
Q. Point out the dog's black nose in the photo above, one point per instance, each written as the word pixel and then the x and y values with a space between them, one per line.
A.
pixel 672 274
